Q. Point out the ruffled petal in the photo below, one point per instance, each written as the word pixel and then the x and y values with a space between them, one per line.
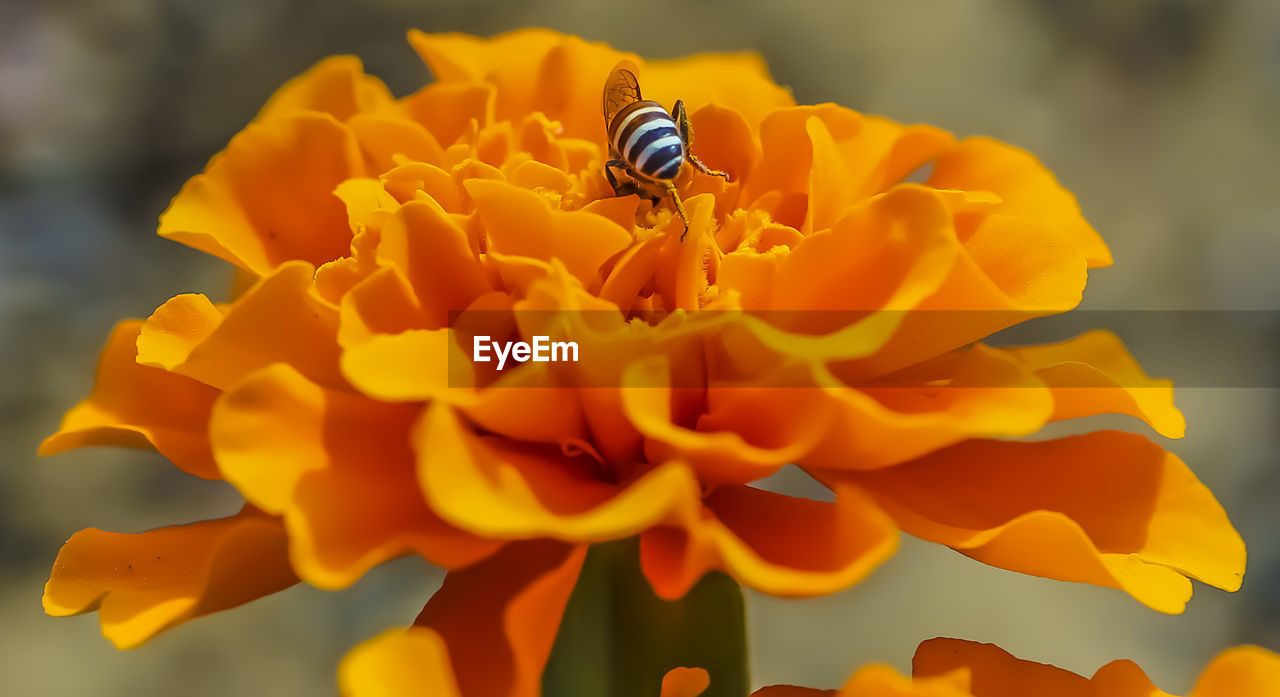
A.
pixel 339 468
pixel 1009 269
pixel 140 407
pixel 975 393
pixel 233 209
pixel 500 488
pixel 788 157
pixel 1106 508
pixel 412 366
pixel 1026 189
pixel 499 618
pixel 337 86
pixel 738 81
pixel 561 76
pixel 778 544
pixel 450 111
pixel 278 320
pixel 434 255
pixel 519 222
pixel 995 673
pixel 144 583
pixel 1094 374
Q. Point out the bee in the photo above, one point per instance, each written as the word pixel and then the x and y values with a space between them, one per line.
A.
pixel 646 142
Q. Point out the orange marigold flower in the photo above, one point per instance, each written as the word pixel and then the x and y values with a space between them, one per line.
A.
pixel 821 312
pixel 402 662
pixel 1242 671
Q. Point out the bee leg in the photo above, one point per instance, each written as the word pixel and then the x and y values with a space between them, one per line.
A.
pixel 681 117
pixel 675 197
pixel 693 160
pixel 619 189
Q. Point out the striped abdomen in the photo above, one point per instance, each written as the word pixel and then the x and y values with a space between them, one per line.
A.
pixel 648 140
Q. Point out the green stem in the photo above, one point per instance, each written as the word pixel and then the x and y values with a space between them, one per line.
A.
pixel 618 638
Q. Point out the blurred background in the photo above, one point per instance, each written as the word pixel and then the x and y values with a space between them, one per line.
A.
pixel 1161 115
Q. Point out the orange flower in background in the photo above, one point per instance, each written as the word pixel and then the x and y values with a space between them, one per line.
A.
pixel 1242 671
pixel 407 662
pixel 821 312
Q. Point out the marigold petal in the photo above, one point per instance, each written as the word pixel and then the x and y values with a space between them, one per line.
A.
pixel 1107 508
pixel 534 175
pixel 792 691
pixel 368 204
pixel 756 536
pixel 175 329
pixel 233 209
pixel 500 617
pixel 979 392
pixel 500 488
pixel 1124 679
pixel 883 681
pixel 1243 671
pixel 787 154
pixel 413 366
pixel 1094 374
pixel 448 110
pixel 882 153
pixel 337 86
pixel 423 181
pixel 685 682
pixel 399 662
pixel 995 673
pixel 632 271
pixel 383 303
pixel 739 81
pixel 1009 269
pixel 435 256
pixel 144 583
pixel 855 308
pixel 519 222
pixel 723 139
pixel 891 253
pixel 136 406
pixel 522 406
pixel 570 83
pixel 1026 188
pixel 557 75
pixel 830 182
pixel 278 320
pixel 389 139
pixel 339 468
pixel 717 454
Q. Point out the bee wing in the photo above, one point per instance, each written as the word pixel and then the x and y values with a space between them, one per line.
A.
pixel 621 89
